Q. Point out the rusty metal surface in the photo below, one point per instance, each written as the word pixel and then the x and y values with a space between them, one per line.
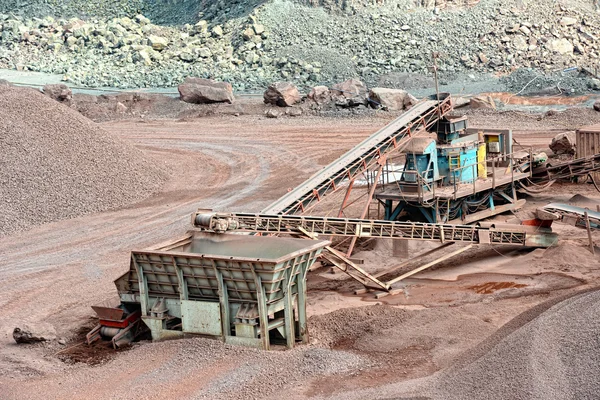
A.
pixel 109 313
pixel 587 143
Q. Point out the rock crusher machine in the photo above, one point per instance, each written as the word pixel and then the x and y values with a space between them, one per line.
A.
pixel 249 289
pixel 243 289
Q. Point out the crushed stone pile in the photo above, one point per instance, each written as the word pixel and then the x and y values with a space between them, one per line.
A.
pixel 554 356
pixel 252 43
pixel 56 164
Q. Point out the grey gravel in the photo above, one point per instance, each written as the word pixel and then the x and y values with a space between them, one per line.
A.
pixel 555 356
pixel 252 43
pixel 57 164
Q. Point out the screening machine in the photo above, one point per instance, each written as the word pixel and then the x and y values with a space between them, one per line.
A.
pixel 243 289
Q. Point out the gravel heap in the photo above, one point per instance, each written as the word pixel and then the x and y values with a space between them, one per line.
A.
pixel 555 356
pixel 251 43
pixel 57 164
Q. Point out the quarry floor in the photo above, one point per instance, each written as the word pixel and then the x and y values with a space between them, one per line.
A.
pixel 52 274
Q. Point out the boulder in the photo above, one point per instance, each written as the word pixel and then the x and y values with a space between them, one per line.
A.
pixel 567 21
pixel 391 99
pixel 282 94
pixel 482 102
pixel 561 46
pixel 563 143
pixel 597 105
pixel 59 92
pixel 273 113
pixel 351 88
pixel 34 333
pixel 200 91
pixel 217 31
pixel 319 94
pixel 158 43
pixel 349 93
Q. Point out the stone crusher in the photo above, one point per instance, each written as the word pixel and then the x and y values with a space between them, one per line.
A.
pixel 243 289
pixel 120 324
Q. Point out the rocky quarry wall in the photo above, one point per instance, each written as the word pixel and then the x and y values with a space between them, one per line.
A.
pixel 309 42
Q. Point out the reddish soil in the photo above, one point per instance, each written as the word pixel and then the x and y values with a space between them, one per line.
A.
pixel 55 272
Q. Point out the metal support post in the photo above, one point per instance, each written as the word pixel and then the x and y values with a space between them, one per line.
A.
pixel 346 197
pixel 589 232
pixel 224 300
pixel 301 306
pixel 143 282
pixel 369 199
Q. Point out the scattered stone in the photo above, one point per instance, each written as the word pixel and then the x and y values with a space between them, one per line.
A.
pixel 120 108
pixel 34 333
pixel 158 43
pixel 391 99
pixel 200 91
pixel 562 46
pixel 273 113
pixel 217 31
pixel 294 111
pixel 567 21
pixel 478 102
pixel 563 143
pixel 59 92
pixel 282 94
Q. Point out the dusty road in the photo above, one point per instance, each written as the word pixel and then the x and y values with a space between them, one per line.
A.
pixel 53 273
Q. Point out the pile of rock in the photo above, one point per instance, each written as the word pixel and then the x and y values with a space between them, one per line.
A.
pixel 283 41
pixel 354 93
pixel 350 94
pixel 58 164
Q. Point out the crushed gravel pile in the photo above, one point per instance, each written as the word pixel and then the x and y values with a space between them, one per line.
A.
pixel 555 356
pixel 57 164
pixel 349 324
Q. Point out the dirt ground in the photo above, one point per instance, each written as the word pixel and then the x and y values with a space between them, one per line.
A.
pixel 52 274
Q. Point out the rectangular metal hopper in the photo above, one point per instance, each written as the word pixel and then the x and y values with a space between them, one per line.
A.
pixel 236 286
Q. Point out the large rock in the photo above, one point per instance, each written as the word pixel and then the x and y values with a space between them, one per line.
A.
pixel 563 143
pixel 561 46
pixel 597 105
pixel 34 333
pixel 59 92
pixel 157 42
pixel 391 99
pixel 200 91
pixel 482 102
pixel 351 92
pixel 283 94
pixel 319 94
